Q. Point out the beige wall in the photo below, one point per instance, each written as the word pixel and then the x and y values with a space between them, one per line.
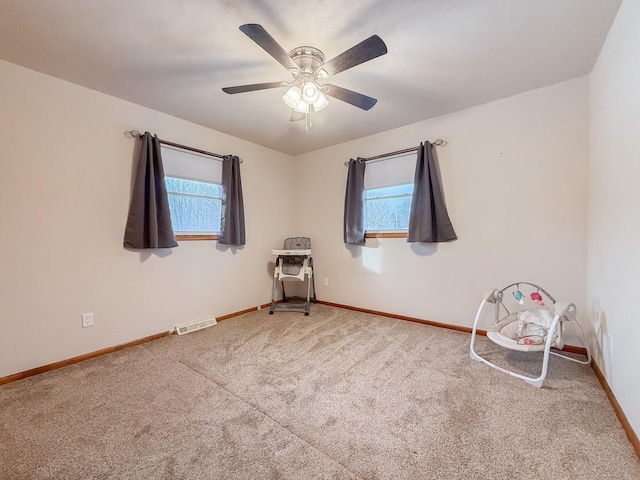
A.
pixel 514 175
pixel 65 184
pixel 614 205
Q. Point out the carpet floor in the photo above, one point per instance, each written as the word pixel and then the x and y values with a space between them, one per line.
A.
pixel 335 395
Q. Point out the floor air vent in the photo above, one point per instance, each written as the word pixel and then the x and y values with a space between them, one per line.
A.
pixel 197 325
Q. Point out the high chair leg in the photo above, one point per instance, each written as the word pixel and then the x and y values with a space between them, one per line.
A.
pixel 273 296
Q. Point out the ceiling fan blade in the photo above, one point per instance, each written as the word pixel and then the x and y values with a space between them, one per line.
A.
pixel 252 87
pixel 354 98
pixel 296 116
pixel 259 35
pixel 366 50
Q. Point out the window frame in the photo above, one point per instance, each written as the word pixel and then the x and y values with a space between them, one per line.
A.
pixel 195 175
pixel 396 170
pixel 386 234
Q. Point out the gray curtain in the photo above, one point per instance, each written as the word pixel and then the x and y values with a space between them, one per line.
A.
pixel 428 219
pixel 354 203
pixel 232 224
pixel 149 220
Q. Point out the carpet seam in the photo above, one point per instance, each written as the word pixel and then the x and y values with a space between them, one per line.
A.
pixel 271 418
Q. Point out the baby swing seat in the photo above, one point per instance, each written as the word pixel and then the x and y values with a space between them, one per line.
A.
pixel 535 329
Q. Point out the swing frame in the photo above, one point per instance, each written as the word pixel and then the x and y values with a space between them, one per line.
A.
pixel 562 312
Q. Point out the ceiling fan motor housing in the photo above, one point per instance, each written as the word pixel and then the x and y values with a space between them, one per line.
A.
pixel 308 59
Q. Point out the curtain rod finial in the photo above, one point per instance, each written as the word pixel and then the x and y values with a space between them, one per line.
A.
pixel 132 134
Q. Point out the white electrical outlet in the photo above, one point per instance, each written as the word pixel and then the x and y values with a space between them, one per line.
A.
pixel 326 282
pixel 87 320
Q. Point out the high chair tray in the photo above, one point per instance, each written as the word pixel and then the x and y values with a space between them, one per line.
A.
pixel 297 253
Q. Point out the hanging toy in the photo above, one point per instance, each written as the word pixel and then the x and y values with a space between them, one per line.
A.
pixel 519 296
pixel 537 298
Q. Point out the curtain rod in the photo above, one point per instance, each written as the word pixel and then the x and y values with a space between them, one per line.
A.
pixel 437 143
pixel 137 134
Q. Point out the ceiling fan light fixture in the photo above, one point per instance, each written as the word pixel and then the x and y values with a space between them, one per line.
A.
pixel 310 92
pixel 320 103
pixel 302 107
pixel 292 97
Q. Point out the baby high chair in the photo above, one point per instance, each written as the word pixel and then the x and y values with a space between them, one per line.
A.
pixel 293 263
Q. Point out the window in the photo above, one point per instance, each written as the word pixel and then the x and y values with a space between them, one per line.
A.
pixel 195 193
pixel 195 206
pixel 387 209
pixel 388 187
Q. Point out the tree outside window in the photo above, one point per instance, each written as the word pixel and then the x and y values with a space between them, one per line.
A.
pixel 387 209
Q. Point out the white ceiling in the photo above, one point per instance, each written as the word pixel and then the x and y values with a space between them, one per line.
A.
pixel 175 56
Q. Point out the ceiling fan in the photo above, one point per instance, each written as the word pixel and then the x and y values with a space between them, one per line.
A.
pixel 306 92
